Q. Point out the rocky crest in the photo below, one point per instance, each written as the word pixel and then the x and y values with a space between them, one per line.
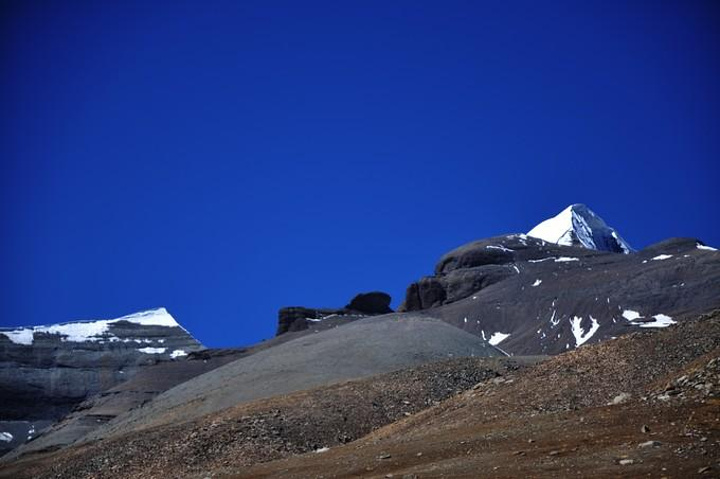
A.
pixel 300 318
pixel 45 371
pixel 535 297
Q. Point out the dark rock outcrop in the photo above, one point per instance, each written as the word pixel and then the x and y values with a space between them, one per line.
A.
pixel 300 318
pixel 296 318
pixel 375 302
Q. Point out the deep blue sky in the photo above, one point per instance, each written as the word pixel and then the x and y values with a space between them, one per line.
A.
pixel 227 158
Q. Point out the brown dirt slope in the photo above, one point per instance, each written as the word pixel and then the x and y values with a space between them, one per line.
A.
pixel 268 429
pixel 645 405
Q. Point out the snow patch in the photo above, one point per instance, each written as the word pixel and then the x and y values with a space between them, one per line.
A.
pixel 497 338
pixel 540 260
pixel 501 248
pixel 577 225
pixel 565 259
pixel 657 321
pixel 554 321
pixel 706 247
pixel 178 353
pixel 6 437
pixel 580 335
pixel 631 315
pixel 152 350
pixel 93 331
pixel 661 321
pixel 20 336
pixel 322 449
pixel 537 282
pixel 661 257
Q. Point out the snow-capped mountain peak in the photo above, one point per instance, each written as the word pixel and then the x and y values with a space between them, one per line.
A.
pixel 94 331
pixel 578 225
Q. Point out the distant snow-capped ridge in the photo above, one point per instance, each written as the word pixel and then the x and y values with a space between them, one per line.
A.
pixel 578 225
pixel 93 331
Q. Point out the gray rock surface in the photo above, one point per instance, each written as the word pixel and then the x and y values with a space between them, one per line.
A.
pixel 549 298
pixel 45 371
pixel 362 348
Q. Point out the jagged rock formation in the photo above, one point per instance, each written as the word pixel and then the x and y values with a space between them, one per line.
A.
pixel 375 302
pixel 300 318
pixel 45 371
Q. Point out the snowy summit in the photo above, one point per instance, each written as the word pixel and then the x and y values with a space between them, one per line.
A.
pixel 91 331
pixel 577 225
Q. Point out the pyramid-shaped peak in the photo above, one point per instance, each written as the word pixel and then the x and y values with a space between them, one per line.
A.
pixel 578 225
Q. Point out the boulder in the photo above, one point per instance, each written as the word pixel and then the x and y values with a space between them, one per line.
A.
pixel 375 302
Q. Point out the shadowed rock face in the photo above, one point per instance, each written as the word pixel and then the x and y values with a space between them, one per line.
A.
pixel 147 382
pixel 45 371
pixel 375 302
pixel 544 298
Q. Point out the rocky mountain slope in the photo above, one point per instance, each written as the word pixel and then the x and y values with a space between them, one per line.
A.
pixel 362 348
pixel 642 405
pixel 281 426
pixel 571 283
pixel 530 296
pixel 45 371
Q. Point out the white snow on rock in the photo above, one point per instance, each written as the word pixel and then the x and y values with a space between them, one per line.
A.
pixel 660 321
pixel 661 257
pixel 540 260
pixel 537 282
pixel 152 350
pixel 580 335
pixel 497 338
pixel 577 225
pixel 631 315
pixel 6 437
pixel 706 247
pixel 657 321
pixel 322 449
pixel 82 331
pixel 565 259
pixel 178 353
pixel 20 336
pixel 501 248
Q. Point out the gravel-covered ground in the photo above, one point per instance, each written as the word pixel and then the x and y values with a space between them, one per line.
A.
pixel 270 429
pixel 644 405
